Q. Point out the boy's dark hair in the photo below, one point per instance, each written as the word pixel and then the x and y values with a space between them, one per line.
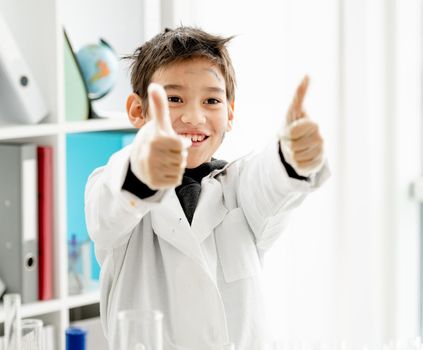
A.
pixel 176 45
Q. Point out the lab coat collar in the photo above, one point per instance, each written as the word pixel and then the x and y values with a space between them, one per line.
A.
pixel 170 223
pixel 210 210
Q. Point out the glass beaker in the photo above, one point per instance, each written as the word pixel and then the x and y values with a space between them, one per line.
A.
pixel 12 321
pixel 140 330
pixel 31 334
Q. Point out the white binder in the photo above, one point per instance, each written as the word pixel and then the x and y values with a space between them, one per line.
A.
pixel 18 220
pixel 21 101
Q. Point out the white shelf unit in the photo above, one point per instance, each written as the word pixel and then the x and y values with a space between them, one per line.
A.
pixel 56 311
pixel 37 28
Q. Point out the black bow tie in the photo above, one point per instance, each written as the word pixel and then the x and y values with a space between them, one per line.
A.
pixel 189 191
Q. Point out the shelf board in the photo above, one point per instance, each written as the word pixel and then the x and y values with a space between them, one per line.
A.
pixel 87 298
pixel 37 308
pixel 8 132
pixel 99 124
pixel 45 307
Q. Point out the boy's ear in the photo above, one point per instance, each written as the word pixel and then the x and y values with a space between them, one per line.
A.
pixel 230 115
pixel 134 110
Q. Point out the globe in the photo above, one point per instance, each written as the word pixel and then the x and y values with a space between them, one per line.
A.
pixel 99 66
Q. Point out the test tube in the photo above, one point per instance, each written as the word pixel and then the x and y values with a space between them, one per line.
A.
pixel 12 322
pixel 31 334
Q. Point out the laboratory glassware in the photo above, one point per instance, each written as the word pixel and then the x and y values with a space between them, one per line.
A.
pixel 140 329
pixel 31 334
pixel 12 322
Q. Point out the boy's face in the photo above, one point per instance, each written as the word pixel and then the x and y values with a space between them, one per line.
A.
pixel 198 105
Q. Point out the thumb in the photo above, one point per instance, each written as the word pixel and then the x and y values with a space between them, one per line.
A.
pixel 296 110
pixel 159 107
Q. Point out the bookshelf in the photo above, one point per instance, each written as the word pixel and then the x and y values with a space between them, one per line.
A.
pixel 56 311
pixel 38 29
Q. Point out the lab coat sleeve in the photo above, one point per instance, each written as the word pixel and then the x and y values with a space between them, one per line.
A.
pixel 267 194
pixel 111 212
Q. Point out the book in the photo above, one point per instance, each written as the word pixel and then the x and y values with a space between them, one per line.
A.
pixel 18 217
pixel 77 104
pixel 86 152
pixel 45 222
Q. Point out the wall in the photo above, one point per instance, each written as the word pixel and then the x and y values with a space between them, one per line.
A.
pixel 347 267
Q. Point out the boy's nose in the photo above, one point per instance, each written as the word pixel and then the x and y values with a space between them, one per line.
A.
pixel 193 116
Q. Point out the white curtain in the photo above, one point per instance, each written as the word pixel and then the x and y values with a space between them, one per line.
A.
pixel 348 265
pixel 377 246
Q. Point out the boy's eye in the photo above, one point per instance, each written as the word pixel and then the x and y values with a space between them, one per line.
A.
pixel 212 101
pixel 174 99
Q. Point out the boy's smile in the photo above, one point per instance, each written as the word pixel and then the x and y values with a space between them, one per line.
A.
pixel 198 105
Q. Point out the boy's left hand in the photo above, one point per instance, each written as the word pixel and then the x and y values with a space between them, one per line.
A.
pixel 300 140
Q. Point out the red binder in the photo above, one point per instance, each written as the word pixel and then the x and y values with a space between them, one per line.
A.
pixel 45 222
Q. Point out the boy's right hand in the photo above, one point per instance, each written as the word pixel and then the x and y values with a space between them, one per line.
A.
pixel 158 156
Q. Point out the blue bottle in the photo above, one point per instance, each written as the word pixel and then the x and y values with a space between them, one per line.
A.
pixel 76 338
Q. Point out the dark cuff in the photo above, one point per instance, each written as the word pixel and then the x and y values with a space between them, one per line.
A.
pixel 135 186
pixel 289 169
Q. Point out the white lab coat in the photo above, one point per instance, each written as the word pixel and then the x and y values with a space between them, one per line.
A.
pixel 205 278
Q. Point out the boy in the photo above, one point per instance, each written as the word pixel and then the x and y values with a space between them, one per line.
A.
pixel 179 231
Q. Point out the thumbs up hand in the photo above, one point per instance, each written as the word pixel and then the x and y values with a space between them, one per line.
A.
pixel 158 156
pixel 300 140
